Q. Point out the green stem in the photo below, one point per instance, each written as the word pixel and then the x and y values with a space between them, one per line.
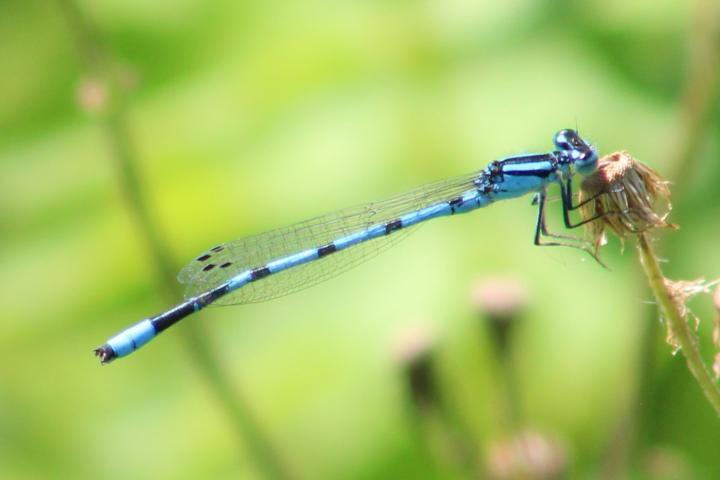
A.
pixel 115 124
pixel 697 103
pixel 193 333
pixel 680 328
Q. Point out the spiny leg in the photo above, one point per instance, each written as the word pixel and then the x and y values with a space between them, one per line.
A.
pixel 567 197
pixel 541 230
pixel 566 194
pixel 543 226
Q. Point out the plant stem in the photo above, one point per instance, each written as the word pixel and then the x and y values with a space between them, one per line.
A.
pixel 697 103
pixel 98 62
pixel 700 91
pixel 680 328
pixel 192 333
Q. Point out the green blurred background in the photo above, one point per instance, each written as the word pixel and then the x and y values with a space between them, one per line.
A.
pixel 244 116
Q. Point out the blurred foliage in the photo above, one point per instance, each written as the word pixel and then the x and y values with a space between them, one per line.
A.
pixel 251 115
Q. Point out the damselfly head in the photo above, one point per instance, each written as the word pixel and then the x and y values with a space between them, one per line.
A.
pixel 576 150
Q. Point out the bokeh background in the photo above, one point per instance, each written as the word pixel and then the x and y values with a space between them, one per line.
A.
pixel 135 134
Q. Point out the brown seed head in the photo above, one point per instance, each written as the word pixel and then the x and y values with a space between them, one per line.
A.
pixel 626 193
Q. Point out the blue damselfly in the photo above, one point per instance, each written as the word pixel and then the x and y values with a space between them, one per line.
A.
pixel 289 259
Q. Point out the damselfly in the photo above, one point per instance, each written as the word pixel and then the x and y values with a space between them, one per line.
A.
pixel 289 259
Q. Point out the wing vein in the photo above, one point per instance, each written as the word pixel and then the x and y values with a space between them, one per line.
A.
pixel 257 250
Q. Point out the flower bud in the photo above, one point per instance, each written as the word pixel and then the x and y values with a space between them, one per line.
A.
pixel 413 351
pixel 500 301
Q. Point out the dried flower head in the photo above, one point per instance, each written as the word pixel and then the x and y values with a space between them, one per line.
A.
pixel 499 301
pixel 413 351
pixel 411 343
pixel 624 192
pixel 499 296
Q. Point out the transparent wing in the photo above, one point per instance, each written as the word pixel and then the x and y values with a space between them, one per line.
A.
pixel 231 258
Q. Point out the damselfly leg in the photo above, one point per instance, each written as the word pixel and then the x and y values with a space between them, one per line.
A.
pixel 541 231
pixel 567 195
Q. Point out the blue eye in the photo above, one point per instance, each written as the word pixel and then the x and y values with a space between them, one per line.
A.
pixel 567 139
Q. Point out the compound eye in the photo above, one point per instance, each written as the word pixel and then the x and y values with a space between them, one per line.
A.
pixel 564 139
pixel 569 140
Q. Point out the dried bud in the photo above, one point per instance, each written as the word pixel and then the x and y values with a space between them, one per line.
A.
pixel 529 455
pixel 499 296
pixel 680 292
pixel 413 352
pixel 500 301
pixel 716 366
pixel 625 191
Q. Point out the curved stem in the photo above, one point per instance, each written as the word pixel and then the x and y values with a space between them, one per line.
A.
pixel 697 103
pixel 671 311
pixel 193 334
pixel 114 121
